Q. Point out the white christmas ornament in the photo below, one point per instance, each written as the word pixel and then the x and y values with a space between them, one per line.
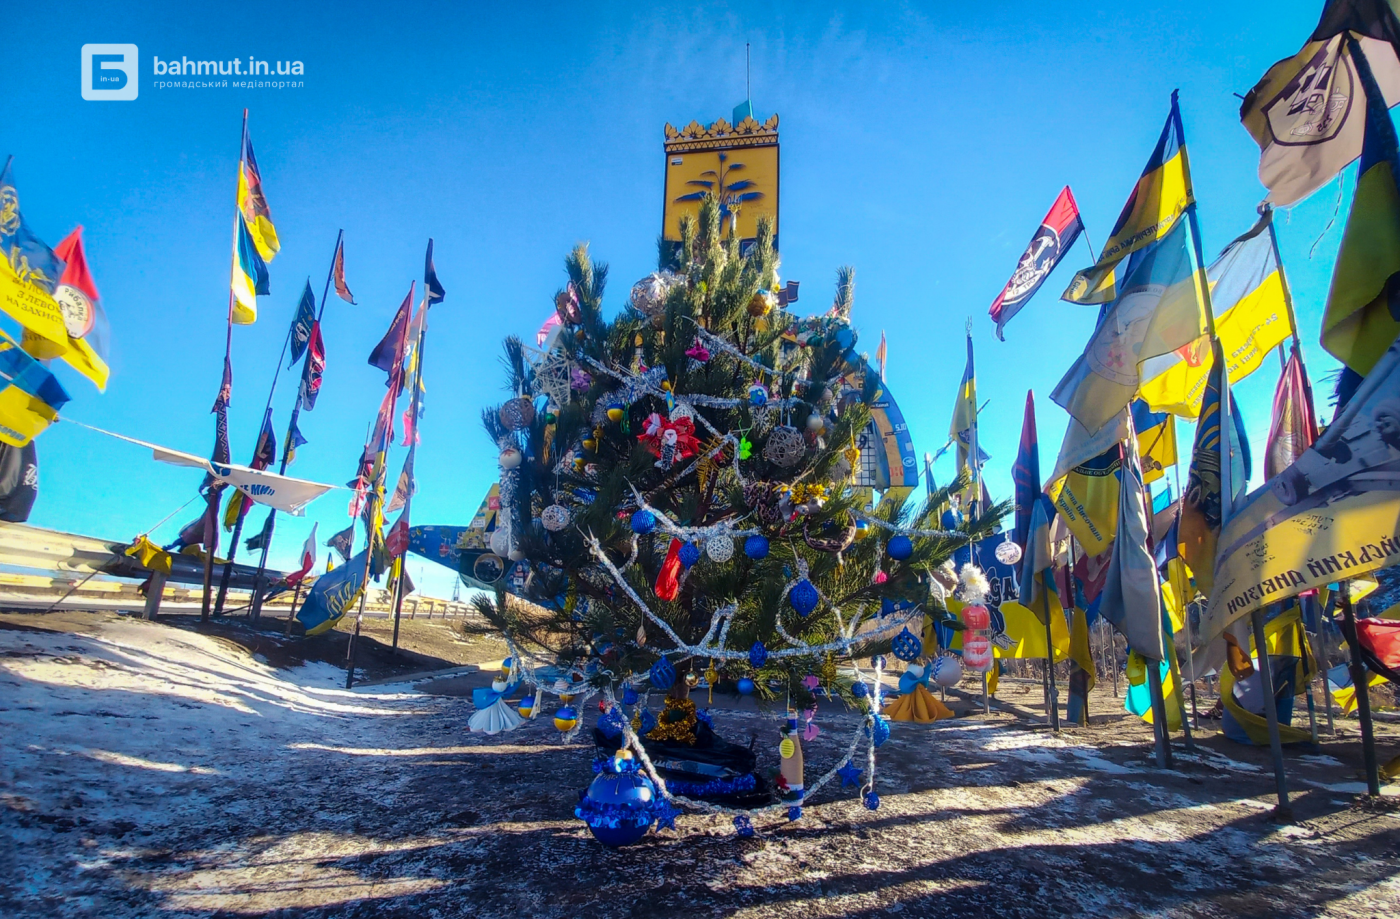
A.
pixel 500 542
pixel 1008 553
pixel 719 548
pixel 555 518
pixel 947 671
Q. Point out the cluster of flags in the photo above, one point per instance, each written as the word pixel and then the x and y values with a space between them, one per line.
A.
pixel 1174 335
pixel 54 312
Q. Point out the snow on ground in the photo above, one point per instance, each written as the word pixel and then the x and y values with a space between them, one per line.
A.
pixel 153 772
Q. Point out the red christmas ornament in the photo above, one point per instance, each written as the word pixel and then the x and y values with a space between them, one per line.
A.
pixel 669 439
pixel 668 580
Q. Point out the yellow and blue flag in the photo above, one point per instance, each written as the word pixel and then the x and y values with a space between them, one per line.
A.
pixel 963 429
pixel 1025 474
pixel 1251 319
pixel 30 398
pixel 1161 196
pixel 1156 438
pixel 1363 307
pixel 249 280
pixel 1159 308
pixel 29 275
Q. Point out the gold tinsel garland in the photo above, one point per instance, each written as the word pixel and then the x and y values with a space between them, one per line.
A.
pixel 677 722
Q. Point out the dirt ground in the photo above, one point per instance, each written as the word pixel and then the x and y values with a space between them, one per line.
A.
pixel 151 770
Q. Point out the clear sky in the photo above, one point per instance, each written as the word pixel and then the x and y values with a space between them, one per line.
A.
pixel 921 144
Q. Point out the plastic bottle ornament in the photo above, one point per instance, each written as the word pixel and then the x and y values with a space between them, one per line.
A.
pixel 900 548
pixel 719 548
pixel 947 671
pixel 746 686
pixel 1008 553
pixel 758 395
pixel 976 616
pixel 510 458
pixel 803 597
pixel 618 807
pixel 663 675
pixel 977 652
pixel 517 414
pixel 555 517
pixel 758 655
pixel 566 719
pixel 689 554
pixel 643 522
pixel 500 541
pixel 907 646
pixel 756 546
pixel 786 446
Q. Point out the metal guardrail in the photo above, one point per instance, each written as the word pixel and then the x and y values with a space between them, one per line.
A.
pixel 43 569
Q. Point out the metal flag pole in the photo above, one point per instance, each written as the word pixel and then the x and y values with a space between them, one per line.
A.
pixel 215 491
pixel 1360 683
pixel 255 608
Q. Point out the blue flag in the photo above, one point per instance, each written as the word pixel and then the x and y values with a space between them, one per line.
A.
pixel 332 596
pixel 302 323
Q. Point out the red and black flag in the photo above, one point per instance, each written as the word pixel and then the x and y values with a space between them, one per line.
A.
pixel 1058 231
pixel 302 322
pixel 388 355
pixel 315 366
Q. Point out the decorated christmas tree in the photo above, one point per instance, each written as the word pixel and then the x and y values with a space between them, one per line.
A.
pixel 679 508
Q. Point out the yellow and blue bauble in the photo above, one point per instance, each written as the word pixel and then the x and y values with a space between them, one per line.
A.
pixel 526 706
pixel 862 530
pixel 566 719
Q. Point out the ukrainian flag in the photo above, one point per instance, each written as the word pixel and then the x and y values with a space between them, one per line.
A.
pixel 249 276
pixel 252 204
pixel 1161 196
pixel 1246 284
pixel 30 397
pixel 1360 322
pixel 1156 437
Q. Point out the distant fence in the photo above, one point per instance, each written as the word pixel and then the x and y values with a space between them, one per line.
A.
pixel 43 569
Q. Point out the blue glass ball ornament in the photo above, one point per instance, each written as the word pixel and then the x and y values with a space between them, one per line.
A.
pixel 643 522
pixel 756 546
pixel 618 808
pixel 879 730
pixel 859 689
pixel 758 655
pixel 872 800
pixel 803 597
pixel 906 645
pixel 746 686
pixel 629 695
pixel 900 548
pixel 689 554
pixel 663 675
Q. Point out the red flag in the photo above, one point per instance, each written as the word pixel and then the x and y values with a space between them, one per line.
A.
pixel 1294 426
pixel 396 543
pixel 338 274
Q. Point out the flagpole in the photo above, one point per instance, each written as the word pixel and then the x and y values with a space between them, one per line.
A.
pixel 1052 696
pixel 413 403
pixel 255 609
pixel 1360 681
pixel 246 508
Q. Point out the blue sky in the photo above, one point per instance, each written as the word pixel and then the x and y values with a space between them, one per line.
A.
pixel 920 144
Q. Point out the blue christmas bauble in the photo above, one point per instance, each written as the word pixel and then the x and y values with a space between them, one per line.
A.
pixel 900 548
pixel 643 522
pixel 629 696
pixel 906 645
pixel 880 730
pixel 746 686
pixel 859 689
pixel 618 808
pixel 756 546
pixel 689 554
pixel 663 675
pixel 803 597
pixel 872 800
pixel 758 655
